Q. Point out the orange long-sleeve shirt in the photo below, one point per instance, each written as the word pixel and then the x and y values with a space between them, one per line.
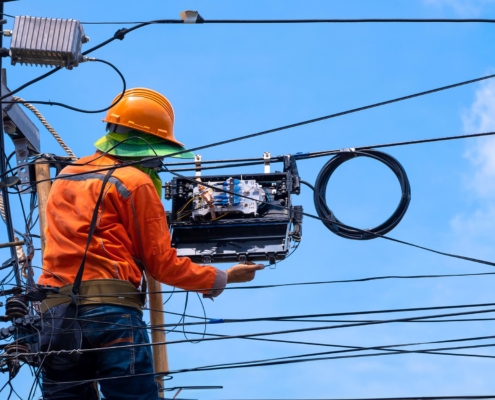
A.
pixel 131 229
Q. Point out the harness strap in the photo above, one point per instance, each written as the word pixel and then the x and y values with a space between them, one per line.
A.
pixel 92 226
pixel 97 292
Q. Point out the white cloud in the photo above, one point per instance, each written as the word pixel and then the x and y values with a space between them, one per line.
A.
pixel 481 118
pixel 465 8
pixel 473 228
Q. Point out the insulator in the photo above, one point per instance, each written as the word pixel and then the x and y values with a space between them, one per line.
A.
pixel 14 354
pixel 16 306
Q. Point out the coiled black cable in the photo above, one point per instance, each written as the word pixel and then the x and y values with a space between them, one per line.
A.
pixel 329 218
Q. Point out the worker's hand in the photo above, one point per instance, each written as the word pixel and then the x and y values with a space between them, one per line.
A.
pixel 243 272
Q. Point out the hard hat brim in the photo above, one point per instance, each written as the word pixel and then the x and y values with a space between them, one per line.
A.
pixel 139 144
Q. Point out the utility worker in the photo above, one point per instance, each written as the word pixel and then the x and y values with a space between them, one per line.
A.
pixel 130 237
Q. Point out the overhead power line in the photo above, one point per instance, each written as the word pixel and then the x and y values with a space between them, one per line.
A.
pixel 338 114
pixel 467 397
pixel 303 21
pixel 241 162
pixel 280 332
pixel 54 103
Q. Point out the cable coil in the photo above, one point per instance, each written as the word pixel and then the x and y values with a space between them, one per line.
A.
pixel 328 217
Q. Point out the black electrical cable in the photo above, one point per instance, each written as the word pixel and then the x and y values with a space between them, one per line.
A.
pixel 299 360
pixel 163 374
pixel 318 344
pixel 351 325
pixel 106 327
pixel 334 221
pixel 31 82
pixel 54 103
pixel 310 155
pixel 166 375
pixel 119 35
pixel 468 397
pixel 439 351
pixel 364 232
pixel 339 114
pixel 311 21
pixel 241 162
pixel 350 313
pixel 222 337
pixel 353 20
pixel 237 165
pixel 355 280
pixel 287 331
pixel 328 217
pixel 297 318
pixel 306 214
pixel 435 351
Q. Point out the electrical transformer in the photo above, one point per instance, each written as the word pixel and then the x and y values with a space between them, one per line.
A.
pixel 235 218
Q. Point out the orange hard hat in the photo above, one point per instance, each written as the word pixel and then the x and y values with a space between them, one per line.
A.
pixel 144 110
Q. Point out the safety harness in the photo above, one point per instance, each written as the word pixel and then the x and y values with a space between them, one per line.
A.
pixel 61 330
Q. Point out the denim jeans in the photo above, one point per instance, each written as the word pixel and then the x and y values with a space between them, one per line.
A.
pixel 107 326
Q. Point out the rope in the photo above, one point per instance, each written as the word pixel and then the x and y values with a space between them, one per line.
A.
pixel 2 207
pixel 47 126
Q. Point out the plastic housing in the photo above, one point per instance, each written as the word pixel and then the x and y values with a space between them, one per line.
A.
pixel 263 235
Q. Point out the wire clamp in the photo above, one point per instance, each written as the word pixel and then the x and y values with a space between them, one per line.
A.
pixel 266 158
pixel 197 160
pixel 272 260
pixel 191 17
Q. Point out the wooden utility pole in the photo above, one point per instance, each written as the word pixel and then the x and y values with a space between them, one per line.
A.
pixel 43 188
pixel 157 318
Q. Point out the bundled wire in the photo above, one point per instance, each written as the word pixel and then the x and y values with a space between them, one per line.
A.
pixel 330 220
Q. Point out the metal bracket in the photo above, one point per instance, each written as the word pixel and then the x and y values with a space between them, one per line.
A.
pixel 291 166
pixel 21 126
pixel 242 258
pixel 23 170
pixel 197 160
pixel 267 157
pixel 207 260
pixel 272 259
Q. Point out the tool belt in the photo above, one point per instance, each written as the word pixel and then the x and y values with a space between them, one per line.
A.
pixel 98 292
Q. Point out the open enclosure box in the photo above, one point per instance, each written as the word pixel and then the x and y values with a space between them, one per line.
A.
pixel 235 218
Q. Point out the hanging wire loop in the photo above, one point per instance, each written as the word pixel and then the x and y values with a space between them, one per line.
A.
pixel 328 217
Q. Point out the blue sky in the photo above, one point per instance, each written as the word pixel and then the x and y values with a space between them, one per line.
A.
pixel 230 80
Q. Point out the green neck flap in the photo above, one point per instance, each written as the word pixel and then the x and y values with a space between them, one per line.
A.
pixel 157 182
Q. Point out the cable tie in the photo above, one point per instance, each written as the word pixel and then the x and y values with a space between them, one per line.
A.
pixel 348 150
pixel 216 321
